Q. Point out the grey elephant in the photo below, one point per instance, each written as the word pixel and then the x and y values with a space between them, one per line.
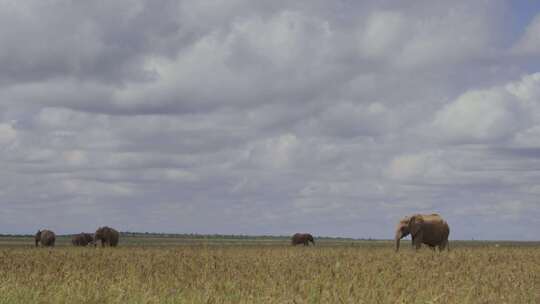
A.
pixel 429 229
pixel 45 237
pixel 302 238
pixel 82 239
pixel 107 235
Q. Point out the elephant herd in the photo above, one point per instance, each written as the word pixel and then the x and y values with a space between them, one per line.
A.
pixel 429 229
pixel 107 235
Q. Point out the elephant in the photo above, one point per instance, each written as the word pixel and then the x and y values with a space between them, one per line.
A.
pixel 45 237
pixel 302 238
pixel 82 239
pixel 429 229
pixel 107 236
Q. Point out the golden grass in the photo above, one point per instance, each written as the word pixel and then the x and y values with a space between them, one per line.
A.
pixel 269 274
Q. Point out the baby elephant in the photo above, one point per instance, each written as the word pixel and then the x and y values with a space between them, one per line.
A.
pixel 82 239
pixel 45 237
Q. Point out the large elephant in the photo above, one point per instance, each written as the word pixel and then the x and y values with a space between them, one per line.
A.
pixel 45 237
pixel 302 238
pixel 107 236
pixel 429 229
pixel 82 239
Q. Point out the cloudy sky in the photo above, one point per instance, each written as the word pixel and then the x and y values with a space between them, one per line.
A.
pixel 270 117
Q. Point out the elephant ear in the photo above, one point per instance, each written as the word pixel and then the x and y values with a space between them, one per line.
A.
pixel 415 224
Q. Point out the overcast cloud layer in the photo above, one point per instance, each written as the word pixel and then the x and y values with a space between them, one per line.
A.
pixel 270 117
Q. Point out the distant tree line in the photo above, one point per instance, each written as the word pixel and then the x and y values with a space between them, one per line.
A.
pixel 201 236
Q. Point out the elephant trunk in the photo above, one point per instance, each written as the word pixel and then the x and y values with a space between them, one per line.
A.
pixel 398 238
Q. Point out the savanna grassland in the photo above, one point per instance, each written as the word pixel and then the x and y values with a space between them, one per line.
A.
pixel 161 270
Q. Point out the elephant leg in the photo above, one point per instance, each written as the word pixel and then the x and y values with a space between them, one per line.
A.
pixel 445 245
pixel 417 243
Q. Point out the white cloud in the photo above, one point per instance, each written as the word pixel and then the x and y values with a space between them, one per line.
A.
pixel 497 210
pixel 493 114
pixel 75 157
pixel 280 41
pixel 7 134
pixel 317 205
pixel 527 90
pixel 275 153
pixel 479 116
pixel 250 64
pixel 382 33
pixel 425 167
pixel 528 138
pixel 96 188
pixel 408 40
pixel 351 119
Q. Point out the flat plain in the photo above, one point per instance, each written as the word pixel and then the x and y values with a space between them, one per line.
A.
pixel 208 270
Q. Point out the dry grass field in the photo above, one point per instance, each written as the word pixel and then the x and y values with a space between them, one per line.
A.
pixel 269 273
